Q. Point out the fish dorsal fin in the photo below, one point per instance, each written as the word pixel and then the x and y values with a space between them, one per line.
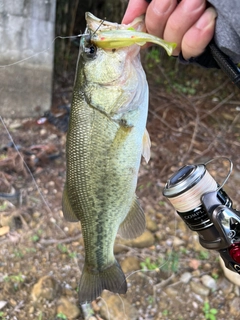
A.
pixel 66 207
pixel 146 146
pixel 134 223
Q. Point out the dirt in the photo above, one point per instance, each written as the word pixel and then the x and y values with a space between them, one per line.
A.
pixel 189 122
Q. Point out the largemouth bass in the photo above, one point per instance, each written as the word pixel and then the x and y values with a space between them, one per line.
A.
pixel 105 140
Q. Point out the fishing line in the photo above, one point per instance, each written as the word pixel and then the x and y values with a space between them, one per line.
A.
pixel 29 171
pixel 100 24
pixel 45 50
pixel 192 197
pixel 123 306
pixel 229 171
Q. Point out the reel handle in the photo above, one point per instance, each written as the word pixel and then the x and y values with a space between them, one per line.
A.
pixel 226 222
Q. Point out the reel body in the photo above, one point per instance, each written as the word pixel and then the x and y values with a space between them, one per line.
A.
pixel 207 209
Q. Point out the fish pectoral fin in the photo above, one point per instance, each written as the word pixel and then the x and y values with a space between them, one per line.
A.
pixel 66 207
pixel 93 283
pixel 134 223
pixel 146 146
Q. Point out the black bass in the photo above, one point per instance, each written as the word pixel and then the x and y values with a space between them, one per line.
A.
pixel 105 140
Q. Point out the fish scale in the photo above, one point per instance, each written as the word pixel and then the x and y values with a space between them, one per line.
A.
pixel 88 191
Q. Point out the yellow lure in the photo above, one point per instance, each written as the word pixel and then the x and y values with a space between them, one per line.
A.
pixel 112 39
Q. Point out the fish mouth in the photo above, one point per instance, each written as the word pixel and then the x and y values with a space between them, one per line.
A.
pixel 97 25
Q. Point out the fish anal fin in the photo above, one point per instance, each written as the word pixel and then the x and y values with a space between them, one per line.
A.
pixel 146 145
pixel 134 223
pixel 93 283
pixel 66 207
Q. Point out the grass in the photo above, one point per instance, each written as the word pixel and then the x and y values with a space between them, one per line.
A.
pixel 2 315
pixel 147 264
pixel 64 249
pixel 169 263
pixel 61 315
pixel 36 237
pixel 15 280
pixel 204 255
pixel 209 313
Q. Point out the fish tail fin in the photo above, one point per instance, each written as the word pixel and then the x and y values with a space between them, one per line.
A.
pixel 92 284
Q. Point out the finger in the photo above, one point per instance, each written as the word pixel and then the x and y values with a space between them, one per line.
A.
pixel 198 37
pixel 135 9
pixel 157 15
pixel 181 20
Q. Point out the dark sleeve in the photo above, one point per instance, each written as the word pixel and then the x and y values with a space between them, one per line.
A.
pixel 204 60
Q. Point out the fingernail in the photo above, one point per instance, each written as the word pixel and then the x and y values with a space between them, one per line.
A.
pixel 160 7
pixel 206 19
pixel 192 5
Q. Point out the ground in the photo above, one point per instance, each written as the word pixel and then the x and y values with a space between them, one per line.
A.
pixel 193 117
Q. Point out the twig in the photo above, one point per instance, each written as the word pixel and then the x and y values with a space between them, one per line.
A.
pixel 217 106
pixel 164 283
pixel 211 92
pixel 192 139
pixel 53 241
pixel 161 285
pixel 233 122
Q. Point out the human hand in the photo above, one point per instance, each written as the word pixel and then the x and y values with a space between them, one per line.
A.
pixel 190 23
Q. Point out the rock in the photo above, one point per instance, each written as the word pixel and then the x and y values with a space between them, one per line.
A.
pixel 185 277
pixel 235 307
pixel 114 307
pixel 226 286
pixel 88 310
pixel 207 267
pixel 177 242
pixel 2 304
pixel 118 247
pixel 46 287
pixel 130 264
pixel 151 225
pixel 194 264
pixel 195 245
pixel 4 230
pixel 171 292
pixel 159 235
pixel 8 220
pixel 145 240
pixel 198 288
pixel 36 215
pixel 230 275
pixel 236 290
pixel 13 302
pixel 209 282
pixel 31 310
pixel 69 309
pixel 95 306
pixel 182 227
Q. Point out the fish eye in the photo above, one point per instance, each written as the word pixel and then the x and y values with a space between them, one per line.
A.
pixel 90 51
